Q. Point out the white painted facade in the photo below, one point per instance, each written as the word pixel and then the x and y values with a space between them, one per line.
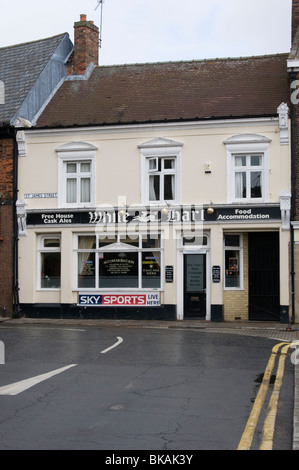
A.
pixel 111 176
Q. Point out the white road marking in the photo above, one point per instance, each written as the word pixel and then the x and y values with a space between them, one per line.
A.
pixel 119 341
pixel 19 387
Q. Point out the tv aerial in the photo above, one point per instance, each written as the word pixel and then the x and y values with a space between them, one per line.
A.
pixel 100 4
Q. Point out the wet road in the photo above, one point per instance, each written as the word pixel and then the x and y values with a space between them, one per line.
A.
pixel 134 389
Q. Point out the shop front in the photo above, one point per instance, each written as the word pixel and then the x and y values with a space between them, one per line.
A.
pixel 218 263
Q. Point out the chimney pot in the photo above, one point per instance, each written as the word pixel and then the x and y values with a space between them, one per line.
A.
pixel 82 17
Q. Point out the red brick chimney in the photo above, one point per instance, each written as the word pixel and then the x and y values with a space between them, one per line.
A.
pixel 295 18
pixel 86 47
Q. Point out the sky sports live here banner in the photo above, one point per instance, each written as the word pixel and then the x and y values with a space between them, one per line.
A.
pixel 119 300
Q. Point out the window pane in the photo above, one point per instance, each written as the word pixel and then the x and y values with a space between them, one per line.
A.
pixel 132 240
pixel 85 190
pixel 118 270
pixel 50 270
pixel 232 240
pixel 85 167
pixel 107 240
pixel 232 268
pixel 71 168
pixel 240 185
pixel 151 270
pixel 197 240
pixel 256 160
pixel 51 243
pixel 240 161
pixel 153 164
pixel 154 188
pixel 169 164
pixel 87 243
pixel 71 190
pixel 151 241
pixel 169 189
pixel 86 267
pixel 256 188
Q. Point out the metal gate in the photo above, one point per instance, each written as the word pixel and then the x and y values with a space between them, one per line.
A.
pixel 264 287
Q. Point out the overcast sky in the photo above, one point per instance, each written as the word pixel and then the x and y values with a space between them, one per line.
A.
pixel 137 31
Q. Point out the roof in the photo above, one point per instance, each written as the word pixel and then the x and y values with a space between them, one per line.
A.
pixel 171 91
pixel 20 67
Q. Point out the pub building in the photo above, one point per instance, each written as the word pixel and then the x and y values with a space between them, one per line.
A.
pixel 159 191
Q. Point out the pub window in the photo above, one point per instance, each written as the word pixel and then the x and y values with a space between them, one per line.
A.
pixel 195 239
pixel 248 177
pixel 119 262
pixel 78 182
pixel 161 179
pixel 233 250
pixel 50 262
pixel 76 174
pixel 160 171
pixel 86 261
pixel 247 168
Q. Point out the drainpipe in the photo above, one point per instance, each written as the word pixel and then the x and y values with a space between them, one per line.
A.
pixel 293 76
pixel 16 312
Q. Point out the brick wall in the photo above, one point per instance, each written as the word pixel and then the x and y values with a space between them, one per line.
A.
pixel 86 47
pixel 236 302
pixel 6 227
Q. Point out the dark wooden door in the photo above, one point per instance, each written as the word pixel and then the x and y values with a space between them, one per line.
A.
pixel 195 286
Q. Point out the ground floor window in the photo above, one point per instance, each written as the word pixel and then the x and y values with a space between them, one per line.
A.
pixel 233 252
pixel 49 262
pixel 118 261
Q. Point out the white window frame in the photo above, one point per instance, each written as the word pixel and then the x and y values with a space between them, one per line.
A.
pixel 247 145
pixel 240 249
pixel 75 152
pixel 42 249
pixel 159 149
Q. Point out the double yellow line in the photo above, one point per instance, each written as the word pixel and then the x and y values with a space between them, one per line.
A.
pixel 269 424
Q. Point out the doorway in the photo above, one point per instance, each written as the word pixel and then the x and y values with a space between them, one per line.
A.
pixel 264 285
pixel 195 286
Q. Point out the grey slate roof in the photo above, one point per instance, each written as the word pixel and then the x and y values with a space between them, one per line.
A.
pixel 25 72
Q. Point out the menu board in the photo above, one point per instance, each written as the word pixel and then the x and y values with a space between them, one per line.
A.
pixel 195 273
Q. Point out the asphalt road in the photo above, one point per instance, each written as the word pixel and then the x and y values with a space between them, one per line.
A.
pixel 122 389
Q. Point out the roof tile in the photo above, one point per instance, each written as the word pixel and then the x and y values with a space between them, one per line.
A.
pixel 172 91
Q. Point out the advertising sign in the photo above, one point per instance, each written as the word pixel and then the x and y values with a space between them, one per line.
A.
pixel 119 300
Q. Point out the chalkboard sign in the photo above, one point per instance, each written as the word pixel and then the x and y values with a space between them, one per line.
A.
pixel 216 274
pixel 169 274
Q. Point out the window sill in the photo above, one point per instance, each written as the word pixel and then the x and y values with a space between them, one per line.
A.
pixel 50 289
pixel 234 289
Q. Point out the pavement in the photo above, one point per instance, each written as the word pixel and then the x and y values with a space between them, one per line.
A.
pixel 273 330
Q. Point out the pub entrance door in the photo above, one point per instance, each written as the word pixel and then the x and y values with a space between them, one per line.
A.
pixel 195 279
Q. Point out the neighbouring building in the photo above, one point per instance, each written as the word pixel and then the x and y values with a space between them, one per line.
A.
pixel 158 191
pixel 29 74
pixel 293 69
